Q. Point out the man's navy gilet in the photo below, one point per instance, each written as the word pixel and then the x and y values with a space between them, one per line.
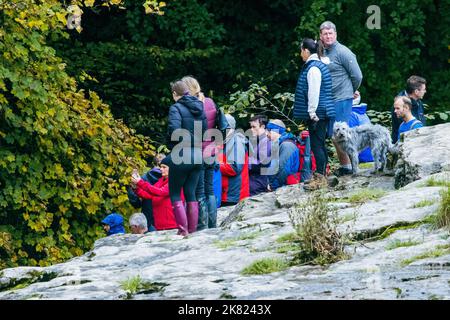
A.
pixel 325 109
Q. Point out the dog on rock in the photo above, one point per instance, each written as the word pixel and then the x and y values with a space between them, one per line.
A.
pixel 354 140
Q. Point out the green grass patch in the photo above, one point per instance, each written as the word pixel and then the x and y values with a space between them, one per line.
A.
pixel 35 277
pixel 348 217
pixel 287 248
pixel 288 237
pixel 289 242
pixel 135 285
pixel 249 236
pixel 439 251
pixel 398 291
pixel 433 182
pixel 400 244
pixel 227 296
pixel 265 266
pixel 233 242
pixel 366 194
pixel 225 244
pixel 424 203
pixel 389 231
pixel 442 219
pixel 366 165
pixel 386 232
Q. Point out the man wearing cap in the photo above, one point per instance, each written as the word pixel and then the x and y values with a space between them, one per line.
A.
pixel 346 77
pixel 288 160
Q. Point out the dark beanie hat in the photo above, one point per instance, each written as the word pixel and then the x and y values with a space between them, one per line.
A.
pixel 165 161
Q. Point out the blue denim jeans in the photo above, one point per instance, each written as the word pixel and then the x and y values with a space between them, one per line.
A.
pixel 205 186
pixel 343 110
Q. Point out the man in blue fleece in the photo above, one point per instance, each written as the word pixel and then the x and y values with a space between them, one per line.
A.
pixel 402 109
pixel 113 224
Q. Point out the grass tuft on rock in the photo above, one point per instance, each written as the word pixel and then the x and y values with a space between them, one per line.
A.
pixel 233 242
pixel 365 195
pixel 424 203
pixel 315 223
pixel 439 251
pixel 31 278
pixel 400 244
pixel 265 266
pixel 442 219
pixel 366 165
pixel 225 244
pixel 433 182
pixel 135 285
pixel 288 237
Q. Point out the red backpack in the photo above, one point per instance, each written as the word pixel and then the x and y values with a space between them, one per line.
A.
pixel 307 160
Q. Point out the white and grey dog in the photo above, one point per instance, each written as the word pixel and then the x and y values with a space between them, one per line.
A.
pixel 354 140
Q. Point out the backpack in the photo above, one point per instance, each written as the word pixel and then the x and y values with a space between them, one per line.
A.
pixel 307 160
pixel 416 122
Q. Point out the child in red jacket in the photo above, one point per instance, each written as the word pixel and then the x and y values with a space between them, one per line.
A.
pixel 159 194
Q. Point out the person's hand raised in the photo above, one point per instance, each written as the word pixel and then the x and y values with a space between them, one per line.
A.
pixel 135 177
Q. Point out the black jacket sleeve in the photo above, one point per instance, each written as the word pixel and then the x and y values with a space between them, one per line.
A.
pixel 174 123
pixel 134 199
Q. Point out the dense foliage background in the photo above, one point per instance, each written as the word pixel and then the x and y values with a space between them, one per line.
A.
pixel 228 45
pixel 64 159
pixel 65 154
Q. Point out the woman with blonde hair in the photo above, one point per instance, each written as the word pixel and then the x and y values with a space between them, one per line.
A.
pixel 205 189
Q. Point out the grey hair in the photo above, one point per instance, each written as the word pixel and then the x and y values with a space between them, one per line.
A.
pixel 138 219
pixel 327 25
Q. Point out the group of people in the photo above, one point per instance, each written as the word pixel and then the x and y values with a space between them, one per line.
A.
pixel 179 192
pixel 327 87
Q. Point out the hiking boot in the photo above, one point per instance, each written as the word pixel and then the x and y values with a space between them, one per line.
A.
pixel 317 182
pixel 314 176
pixel 342 172
pixel 333 181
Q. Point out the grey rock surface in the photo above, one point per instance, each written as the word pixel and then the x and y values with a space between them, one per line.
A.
pixel 423 152
pixel 394 252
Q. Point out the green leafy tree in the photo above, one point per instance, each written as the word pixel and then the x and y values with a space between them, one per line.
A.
pixel 64 159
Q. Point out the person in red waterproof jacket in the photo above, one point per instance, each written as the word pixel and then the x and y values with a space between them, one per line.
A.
pixel 159 194
pixel 233 159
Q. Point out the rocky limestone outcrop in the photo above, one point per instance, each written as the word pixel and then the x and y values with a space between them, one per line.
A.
pixel 394 252
pixel 423 151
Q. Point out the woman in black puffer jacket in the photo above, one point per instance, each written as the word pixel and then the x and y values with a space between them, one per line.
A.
pixel 187 124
